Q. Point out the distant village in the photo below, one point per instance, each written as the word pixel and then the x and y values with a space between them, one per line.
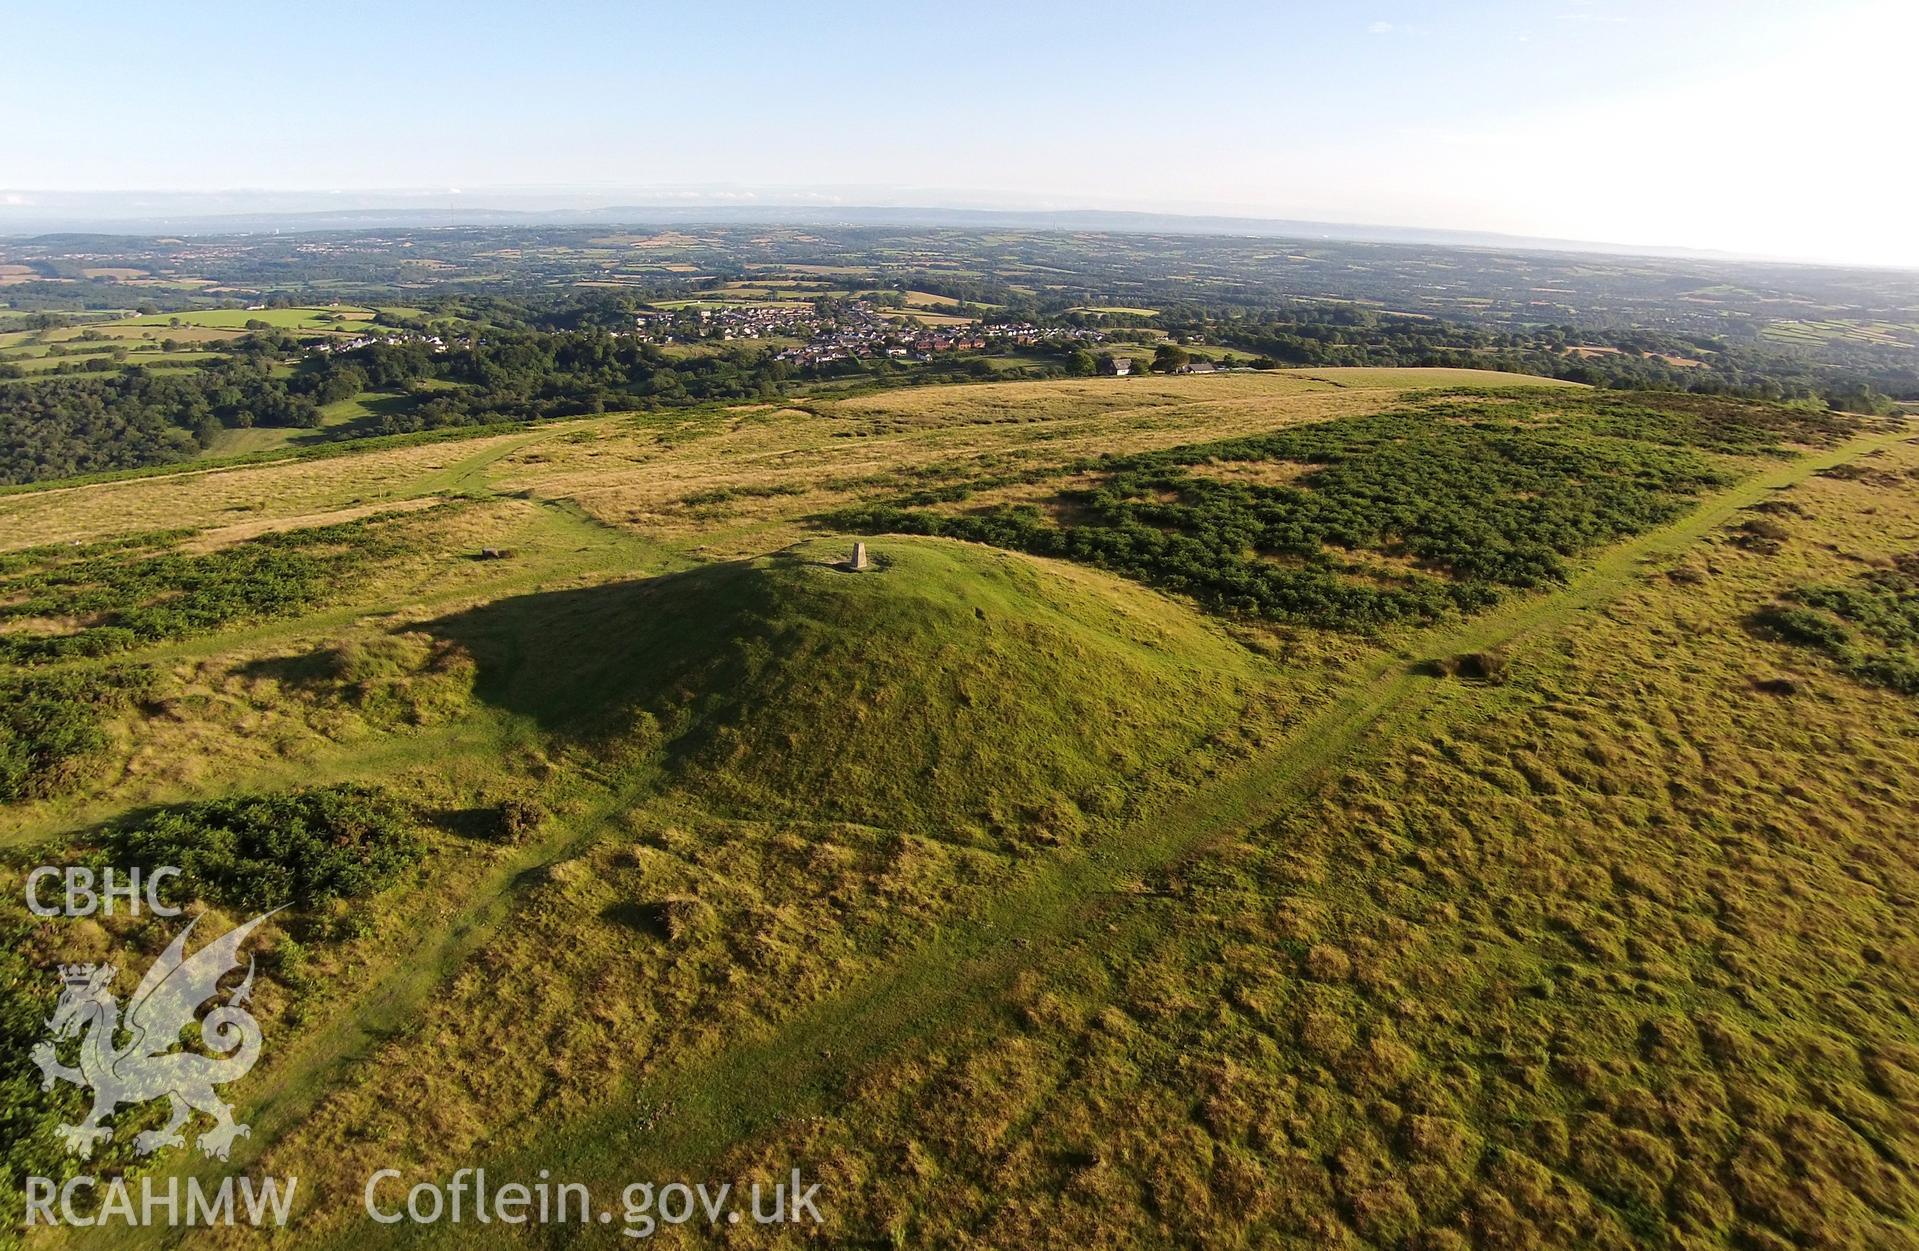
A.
pixel 851 330
pixel 388 338
pixel 808 335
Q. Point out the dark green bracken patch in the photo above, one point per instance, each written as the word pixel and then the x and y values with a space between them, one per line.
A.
pixel 50 723
pixel 257 852
pixel 298 847
pixel 1870 626
pixel 29 1147
pixel 1712 422
pixel 1464 497
pixel 110 597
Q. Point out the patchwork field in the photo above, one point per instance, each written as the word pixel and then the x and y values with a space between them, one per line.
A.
pixel 1367 808
pixel 1877 333
pixel 162 339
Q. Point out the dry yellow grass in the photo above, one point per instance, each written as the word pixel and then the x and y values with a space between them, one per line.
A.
pixel 1021 401
pixel 861 447
pixel 221 536
pixel 1150 1077
pixel 215 497
pixel 638 473
pixel 1400 379
pixel 1255 473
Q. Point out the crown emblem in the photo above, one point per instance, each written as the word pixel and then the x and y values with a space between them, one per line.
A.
pixel 147 1065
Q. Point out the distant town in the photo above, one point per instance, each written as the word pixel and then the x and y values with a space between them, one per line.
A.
pixel 851 329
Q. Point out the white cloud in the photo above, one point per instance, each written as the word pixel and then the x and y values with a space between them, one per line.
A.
pixel 1380 28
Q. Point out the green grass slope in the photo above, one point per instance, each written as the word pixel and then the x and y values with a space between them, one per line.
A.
pixel 951 687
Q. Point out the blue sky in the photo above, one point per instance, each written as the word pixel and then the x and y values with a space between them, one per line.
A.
pixel 1754 126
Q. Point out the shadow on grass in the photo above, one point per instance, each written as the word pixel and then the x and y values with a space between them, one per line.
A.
pixel 583 661
pixel 308 669
pixel 479 825
pixel 649 919
pixel 653 667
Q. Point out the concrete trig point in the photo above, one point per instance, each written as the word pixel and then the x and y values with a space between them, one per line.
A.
pixel 859 563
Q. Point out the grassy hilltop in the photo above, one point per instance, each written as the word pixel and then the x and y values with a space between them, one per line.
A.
pixel 1323 808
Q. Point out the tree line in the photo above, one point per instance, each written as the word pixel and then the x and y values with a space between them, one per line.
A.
pixel 1319 336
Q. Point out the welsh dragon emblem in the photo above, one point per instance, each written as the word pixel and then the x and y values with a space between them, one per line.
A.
pixel 149 1064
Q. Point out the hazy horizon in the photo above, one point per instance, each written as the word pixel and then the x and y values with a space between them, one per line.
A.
pixel 558 202
pixel 1688 126
pixel 242 211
